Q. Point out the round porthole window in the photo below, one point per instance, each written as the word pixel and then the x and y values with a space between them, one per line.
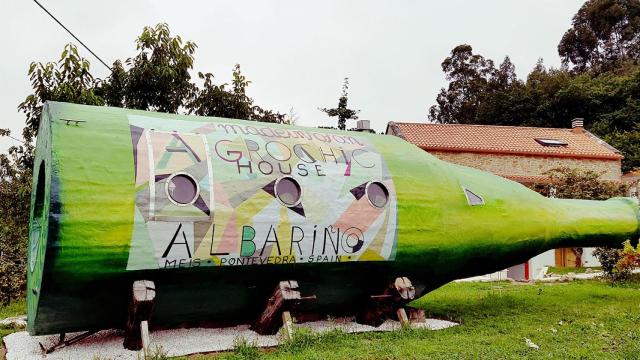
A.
pixel 288 191
pixel 182 189
pixel 377 194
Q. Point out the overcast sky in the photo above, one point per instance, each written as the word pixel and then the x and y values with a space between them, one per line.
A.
pixel 295 52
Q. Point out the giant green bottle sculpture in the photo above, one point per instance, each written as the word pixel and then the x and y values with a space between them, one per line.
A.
pixel 217 211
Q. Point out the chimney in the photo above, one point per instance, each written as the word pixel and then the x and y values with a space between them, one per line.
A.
pixel 577 125
pixel 363 125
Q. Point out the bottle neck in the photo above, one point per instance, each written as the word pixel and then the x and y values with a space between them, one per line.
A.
pixel 590 223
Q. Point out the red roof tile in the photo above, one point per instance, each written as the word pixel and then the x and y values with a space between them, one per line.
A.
pixel 503 140
pixel 528 179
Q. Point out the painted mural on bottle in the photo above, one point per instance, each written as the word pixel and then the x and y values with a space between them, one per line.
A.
pixel 221 194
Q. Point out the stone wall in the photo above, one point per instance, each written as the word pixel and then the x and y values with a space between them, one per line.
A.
pixel 515 165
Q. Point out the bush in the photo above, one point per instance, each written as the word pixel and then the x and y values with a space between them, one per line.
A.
pixel 609 258
pixel 573 183
pixel 630 258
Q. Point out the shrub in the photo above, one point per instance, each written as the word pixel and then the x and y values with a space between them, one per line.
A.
pixel 630 257
pixel 609 258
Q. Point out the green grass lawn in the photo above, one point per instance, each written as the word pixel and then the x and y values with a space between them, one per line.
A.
pixel 576 320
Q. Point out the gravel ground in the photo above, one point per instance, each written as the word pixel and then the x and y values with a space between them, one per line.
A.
pixel 107 344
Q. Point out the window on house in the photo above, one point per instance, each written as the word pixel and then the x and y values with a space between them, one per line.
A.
pixel 551 142
pixel 472 198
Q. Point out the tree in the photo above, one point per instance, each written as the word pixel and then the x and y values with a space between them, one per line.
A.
pixel 68 80
pixel 217 100
pixel 342 112
pixel 157 78
pixel 504 99
pixel 603 34
pixel 15 195
pixel 468 75
pixel 628 142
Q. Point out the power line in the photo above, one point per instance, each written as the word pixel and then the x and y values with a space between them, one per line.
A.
pixel 70 33
pixel 15 138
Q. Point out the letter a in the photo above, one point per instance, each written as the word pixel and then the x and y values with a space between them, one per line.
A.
pixel 184 236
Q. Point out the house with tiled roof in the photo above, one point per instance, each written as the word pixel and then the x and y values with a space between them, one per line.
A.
pixel 523 154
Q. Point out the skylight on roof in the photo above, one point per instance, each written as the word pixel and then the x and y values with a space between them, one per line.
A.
pixel 551 142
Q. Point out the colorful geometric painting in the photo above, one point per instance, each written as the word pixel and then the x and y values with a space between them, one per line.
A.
pixel 222 194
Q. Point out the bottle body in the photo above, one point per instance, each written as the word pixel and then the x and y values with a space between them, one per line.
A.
pixel 217 211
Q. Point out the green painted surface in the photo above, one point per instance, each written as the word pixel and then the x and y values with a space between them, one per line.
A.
pixel 93 215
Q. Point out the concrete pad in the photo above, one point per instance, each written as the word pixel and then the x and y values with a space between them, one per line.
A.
pixel 107 344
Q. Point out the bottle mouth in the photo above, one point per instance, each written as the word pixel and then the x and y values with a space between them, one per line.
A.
pixel 38 229
pixel 38 214
pixel 634 204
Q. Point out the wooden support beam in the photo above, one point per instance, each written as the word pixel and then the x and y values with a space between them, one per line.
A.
pixel 287 324
pixel 269 321
pixel 144 335
pixel 402 317
pixel 62 342
pixel 140 309
pixel 381 307
pixel 285 296
pixel 375 310
pixel 415 315
pixel 404 289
